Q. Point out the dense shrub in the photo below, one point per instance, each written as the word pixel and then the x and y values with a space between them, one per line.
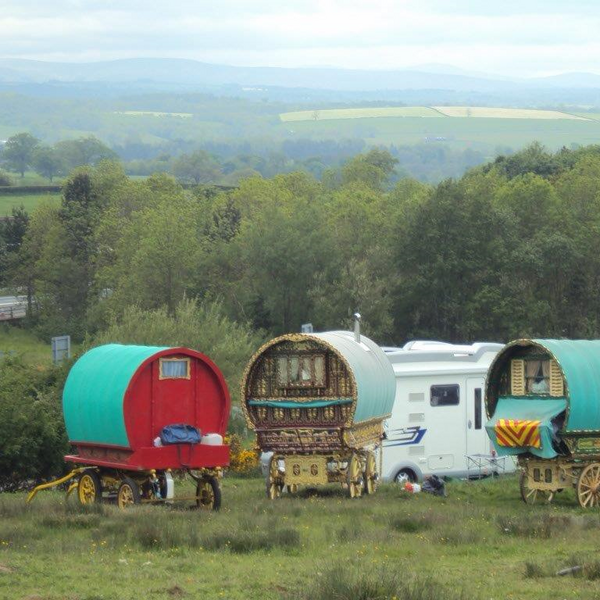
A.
pixel 203 327
pixel 5 178
pixel 32 435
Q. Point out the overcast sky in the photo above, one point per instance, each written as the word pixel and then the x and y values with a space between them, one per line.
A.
pixel 510 37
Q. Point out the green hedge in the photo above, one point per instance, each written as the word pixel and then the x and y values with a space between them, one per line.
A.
pixel 29 189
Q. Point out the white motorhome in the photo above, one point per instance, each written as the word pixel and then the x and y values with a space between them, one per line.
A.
pixel 438 417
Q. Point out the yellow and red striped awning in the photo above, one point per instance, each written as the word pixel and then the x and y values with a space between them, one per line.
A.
pixel 517 433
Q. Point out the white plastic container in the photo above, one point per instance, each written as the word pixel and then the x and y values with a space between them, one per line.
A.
pixel 212 439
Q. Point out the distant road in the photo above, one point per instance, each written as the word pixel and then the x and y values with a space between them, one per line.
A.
pixel 12 307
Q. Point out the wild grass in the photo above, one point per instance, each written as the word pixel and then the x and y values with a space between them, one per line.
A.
pixel 351 582
pixel 316 544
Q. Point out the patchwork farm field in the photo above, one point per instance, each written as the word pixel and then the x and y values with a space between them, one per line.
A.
pixel 481 542
pixel 476 112
pixel 481 133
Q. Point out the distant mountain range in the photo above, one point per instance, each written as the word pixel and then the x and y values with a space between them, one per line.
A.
pixel 163 73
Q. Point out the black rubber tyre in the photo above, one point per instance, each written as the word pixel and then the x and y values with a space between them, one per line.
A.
pixel 405 476
pixel 208 494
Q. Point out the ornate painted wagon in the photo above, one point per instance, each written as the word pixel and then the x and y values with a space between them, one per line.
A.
pixel 543 405
pixel 116 402
pixel 318 402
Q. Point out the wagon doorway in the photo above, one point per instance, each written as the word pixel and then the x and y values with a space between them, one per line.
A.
pixel 477 440
pixel 173 391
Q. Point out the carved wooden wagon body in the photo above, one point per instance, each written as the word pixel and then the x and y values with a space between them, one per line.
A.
pixel 318 402
pixel 543 405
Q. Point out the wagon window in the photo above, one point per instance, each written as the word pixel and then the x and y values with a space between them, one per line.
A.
pixel 537 376
pixel 174 368
pixel 444 395
pixel 301 371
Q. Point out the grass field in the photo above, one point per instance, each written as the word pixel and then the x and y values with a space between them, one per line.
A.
pixel 480 134
pixel 478 112
pixel 359 113
pixel 17 341
pixel 426 111
pixel 150 113
pixel 29 201
pixel 480 543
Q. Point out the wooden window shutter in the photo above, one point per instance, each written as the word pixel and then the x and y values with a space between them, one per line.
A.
pixel 517 377
pixel 557 387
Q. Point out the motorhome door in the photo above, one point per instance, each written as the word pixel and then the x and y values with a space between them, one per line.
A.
pixel 477 439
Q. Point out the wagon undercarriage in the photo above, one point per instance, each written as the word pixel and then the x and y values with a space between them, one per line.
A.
pixel 356 471
pixel 542 479
pixel 127 488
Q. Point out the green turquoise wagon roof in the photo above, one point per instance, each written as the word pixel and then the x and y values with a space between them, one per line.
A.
pixel 579 361
pixel 372 370
pixel 95 389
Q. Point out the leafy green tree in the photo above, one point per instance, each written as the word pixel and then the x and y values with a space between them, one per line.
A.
pixel 156 254
pixel 373 169
pixel 47 162
pixel 198 167
pixel 202 326
pixel 18 152
pixel 85 151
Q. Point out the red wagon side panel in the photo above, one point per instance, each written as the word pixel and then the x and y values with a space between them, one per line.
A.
pixel 152 403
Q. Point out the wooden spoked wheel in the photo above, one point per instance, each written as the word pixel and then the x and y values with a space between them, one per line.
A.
pixel 588 486
pixel 355 477
pixel 532 495
pixel 274 481
pixel 89 488
pixel 371 475
pixel 128 493
pixel 208 494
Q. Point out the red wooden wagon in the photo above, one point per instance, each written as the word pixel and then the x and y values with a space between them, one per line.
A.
pixel 118 399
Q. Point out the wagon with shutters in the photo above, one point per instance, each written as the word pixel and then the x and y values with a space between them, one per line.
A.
pixel 117 402
pixel 543 405
pixel 318 402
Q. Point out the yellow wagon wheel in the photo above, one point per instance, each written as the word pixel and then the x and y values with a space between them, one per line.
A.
pixel 532 495
pixel 371 475
pixel 274 482
pixel 89 487
pixel 208 494
pixel 128 493
pixel 292 488
pixel 355 477
pixel 588 486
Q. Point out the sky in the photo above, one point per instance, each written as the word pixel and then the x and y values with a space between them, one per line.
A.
pixel 509 37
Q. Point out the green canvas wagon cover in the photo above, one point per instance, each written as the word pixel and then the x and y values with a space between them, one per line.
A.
pixel 570 407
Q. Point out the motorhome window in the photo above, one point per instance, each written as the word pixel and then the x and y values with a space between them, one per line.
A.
pixel 537 376
pixel 301 371
pixel 478 408
pixel 444 395
pixel 174 368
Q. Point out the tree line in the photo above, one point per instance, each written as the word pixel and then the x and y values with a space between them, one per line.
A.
pixel 224 162
pixel 511 249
